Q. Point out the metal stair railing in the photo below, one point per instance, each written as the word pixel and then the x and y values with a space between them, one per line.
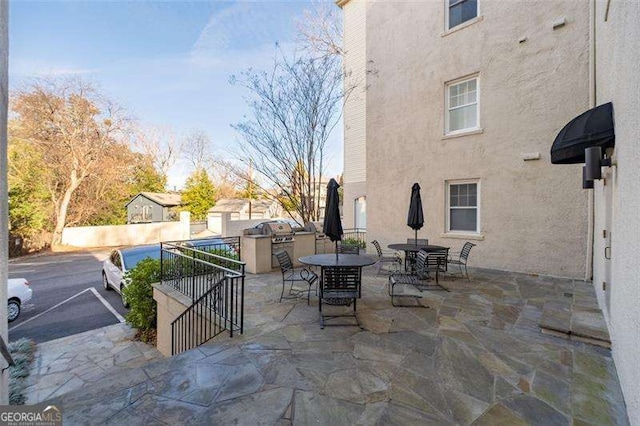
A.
pixel 216 287
pixel 219 309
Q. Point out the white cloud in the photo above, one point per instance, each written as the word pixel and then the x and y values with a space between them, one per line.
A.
pixel 19 68
pixel 244 34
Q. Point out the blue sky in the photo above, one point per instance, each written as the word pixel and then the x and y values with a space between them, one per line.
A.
pixel 167 62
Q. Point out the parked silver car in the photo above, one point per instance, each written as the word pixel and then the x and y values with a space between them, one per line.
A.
pixel 122 260
pixel 19 292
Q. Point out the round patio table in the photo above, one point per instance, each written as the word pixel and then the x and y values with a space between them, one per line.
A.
pixel 330 259
pixel 410 251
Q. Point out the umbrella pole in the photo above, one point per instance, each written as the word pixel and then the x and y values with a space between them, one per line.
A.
pixel 415 241
pixel 336 250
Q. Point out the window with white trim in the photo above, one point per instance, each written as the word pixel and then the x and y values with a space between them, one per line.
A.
pixel 463 113
pixel 460 11
pixel 463 205
pixel 147 213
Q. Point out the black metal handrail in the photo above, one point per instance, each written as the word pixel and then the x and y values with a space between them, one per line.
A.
pixel 193 271
pixel 215 284
pixel 355 235
pixel 220 308
pixel 224 246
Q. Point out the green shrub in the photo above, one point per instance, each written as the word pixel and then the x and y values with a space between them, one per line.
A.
pixel 139 294
pixel 22 353
pixel 354 242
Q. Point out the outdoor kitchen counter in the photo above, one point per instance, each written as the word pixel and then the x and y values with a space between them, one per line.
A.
pixel 256 250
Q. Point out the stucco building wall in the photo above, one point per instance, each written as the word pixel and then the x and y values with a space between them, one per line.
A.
pixel 533 216
pixel 617 60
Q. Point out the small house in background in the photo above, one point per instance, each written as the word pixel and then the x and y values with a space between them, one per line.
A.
pixel 227 209
pixel 153 207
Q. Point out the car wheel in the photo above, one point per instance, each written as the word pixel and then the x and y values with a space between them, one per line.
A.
pixel 123 297
pixel 105 282
pixel 13 309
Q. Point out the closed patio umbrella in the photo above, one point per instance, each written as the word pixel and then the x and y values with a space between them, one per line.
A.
pixel 332 226
pixel 415 219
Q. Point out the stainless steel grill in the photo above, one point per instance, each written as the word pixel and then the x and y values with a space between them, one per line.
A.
pixel 279 232
pixel 282 238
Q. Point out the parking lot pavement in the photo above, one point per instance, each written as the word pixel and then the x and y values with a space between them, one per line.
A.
pixel 68 297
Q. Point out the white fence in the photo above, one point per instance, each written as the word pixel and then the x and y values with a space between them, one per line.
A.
pixel 147 233
pixel 125 235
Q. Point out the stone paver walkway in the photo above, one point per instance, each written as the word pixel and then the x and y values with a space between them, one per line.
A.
pixel 576 315
pixel 476 355
pixel 64 365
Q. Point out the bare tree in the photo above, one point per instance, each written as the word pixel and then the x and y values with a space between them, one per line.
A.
pixel 320 30
pixel 197 150
pixel 160 144
pixel 295 106
pixel 72 126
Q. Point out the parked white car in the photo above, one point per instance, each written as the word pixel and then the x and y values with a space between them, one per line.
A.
pixel 122 260
pixel 19 292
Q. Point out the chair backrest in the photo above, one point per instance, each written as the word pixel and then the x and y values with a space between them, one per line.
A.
pixel 284 260
pixel 431 261
pixel 464 253
pixel 376 244
pixel 345 279
pixel 437 259
pixel 348 249
pixel 421 262
pixel 419 241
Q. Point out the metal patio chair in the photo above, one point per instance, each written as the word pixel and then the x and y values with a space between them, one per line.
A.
pixel 410 257
pixel 419 241
pixel 340 286
pixel 426 264
pixel 389 257
pixel 462 258
pixel 291 276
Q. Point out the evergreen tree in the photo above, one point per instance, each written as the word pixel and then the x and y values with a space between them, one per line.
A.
pixel 198 195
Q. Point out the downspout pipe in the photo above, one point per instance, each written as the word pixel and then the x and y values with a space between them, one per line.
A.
pixel 588 273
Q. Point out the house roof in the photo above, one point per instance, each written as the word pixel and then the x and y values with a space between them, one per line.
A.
pixel 164 199
pixel 232 205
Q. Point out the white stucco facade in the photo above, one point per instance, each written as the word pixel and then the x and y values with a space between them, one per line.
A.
pixel 538 65
pixel 532 78
pixel 617 199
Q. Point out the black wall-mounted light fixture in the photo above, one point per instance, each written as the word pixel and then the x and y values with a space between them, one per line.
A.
pixel 593 162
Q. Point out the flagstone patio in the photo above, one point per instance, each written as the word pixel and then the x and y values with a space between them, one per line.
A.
pixel 476 355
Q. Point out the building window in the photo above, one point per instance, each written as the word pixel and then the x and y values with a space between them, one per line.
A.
pixel 463 205
pixel 460 11
pixel 462 106
pixel 360 213
pixel 147 213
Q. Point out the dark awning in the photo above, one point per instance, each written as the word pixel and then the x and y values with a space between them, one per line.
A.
pixel 591 128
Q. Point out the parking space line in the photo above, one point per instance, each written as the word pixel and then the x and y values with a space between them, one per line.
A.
pixel 49 310
pixel 107 304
